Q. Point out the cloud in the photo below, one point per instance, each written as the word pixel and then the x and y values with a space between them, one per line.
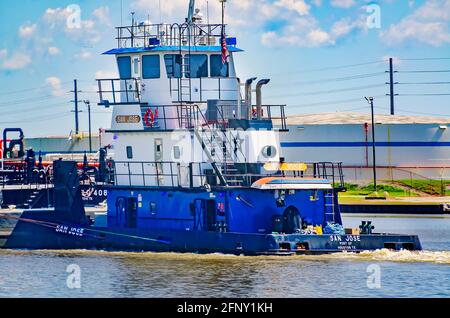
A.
pixel 55 84
pixel 17 61
pixel 3 53
pixel 345 4
pixel 83 55
pixel 102 15
pixel 27 30
pixel 106 74
pixel 298 6
pixel 429 24
pixel 303 32
pixel 53 50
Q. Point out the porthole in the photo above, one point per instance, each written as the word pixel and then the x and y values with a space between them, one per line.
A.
pixel 269 151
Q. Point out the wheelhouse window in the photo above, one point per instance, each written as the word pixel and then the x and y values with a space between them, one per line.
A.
pixel 129 152
pixel 173 65
pixel 217 68
pixel 151 67
pixel 124 64
pixel 198 66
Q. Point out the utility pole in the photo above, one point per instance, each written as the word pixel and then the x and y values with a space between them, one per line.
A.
pixel 88 104
pixel 391 84
pixel 374 162
pixel 76 91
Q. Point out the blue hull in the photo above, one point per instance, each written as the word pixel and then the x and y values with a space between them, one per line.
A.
pixel 39 230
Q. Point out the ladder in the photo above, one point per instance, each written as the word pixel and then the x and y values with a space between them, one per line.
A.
pixel 185 82
pixel 330 206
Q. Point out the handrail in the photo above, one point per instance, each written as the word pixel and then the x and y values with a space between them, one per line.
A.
pixel 114 90
pixel 330 171
pixel 168 34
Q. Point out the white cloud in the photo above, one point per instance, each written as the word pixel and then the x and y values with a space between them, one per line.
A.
pixel 3 53
pixel 343 3
pixel 55 84
pixel 53 50
pixel 303 32
pixel 88 31
pixel 102 15
pixel 27 30
pixel 298 6
pixel 429 24
pixel 83 55
pixel 17 61
pixel 106 74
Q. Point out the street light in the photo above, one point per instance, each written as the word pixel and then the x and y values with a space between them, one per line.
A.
pixel 370 101
pixel 88 104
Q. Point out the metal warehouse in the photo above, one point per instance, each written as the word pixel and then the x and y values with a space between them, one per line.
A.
pixel 406 146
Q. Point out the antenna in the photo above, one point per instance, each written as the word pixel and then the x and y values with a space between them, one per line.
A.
pixel 207 10
pixel 121 13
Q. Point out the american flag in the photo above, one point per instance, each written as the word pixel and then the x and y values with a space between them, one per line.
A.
pixel 223 42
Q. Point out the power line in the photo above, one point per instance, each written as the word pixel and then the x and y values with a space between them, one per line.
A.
pixel 331 68
pixel 336 79
pixel 37 119
pixel 424 59
pixel 329 91
pixel 333 102
pixel 425 71
pixel 33 109
pixel 431 94
pixel 29 100
pixel 28 89
pixel 422 83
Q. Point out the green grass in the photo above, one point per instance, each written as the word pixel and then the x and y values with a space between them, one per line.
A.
pixel 432 187
pixel 355 190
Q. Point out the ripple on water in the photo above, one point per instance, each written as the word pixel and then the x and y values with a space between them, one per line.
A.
pixel 383 255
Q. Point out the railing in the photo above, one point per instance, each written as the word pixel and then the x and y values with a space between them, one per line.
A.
pixel 114 89
pixel 168 34
pixel 268 112
pixel 197 175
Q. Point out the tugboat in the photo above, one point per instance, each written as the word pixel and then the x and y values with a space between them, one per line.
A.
pixel 197 166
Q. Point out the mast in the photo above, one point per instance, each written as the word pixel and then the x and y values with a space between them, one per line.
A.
pixel 190 17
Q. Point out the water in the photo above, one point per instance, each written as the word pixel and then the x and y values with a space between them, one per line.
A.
pixel 103 274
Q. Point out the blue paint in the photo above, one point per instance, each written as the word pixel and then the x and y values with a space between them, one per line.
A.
pixel 365 144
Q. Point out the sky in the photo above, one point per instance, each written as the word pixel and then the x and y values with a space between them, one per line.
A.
pixel 321 56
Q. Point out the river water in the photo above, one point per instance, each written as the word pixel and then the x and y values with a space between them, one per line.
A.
pixel 369 274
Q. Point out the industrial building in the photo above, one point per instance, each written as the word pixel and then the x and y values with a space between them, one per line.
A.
pixel 406 146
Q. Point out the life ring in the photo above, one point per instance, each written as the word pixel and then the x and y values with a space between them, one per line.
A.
pixel 149 117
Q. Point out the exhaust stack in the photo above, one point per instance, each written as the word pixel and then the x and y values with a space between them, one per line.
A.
pixel 248 95
pixel 259 86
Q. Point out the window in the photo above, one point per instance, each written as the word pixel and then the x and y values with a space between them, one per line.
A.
pixel 198 66
pixel 173 65
pixel 153 209
pixel 129 152
pixel 151 66
pixel 217 68
pixel 177 152
pixel 124 64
